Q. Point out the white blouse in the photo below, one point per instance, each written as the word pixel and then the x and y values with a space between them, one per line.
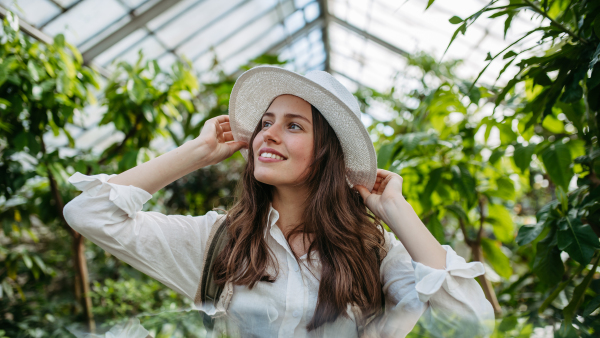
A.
pixel 170 248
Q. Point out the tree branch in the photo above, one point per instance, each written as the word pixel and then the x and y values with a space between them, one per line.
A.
pixel 463 229
pixel 129 135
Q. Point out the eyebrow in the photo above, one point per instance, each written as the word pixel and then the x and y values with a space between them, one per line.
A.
pixel 288 115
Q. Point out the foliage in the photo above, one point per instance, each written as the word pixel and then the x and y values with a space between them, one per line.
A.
pixel 552 123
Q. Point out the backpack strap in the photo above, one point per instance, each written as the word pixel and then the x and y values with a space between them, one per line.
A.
pixel 364 323
pixel 208 291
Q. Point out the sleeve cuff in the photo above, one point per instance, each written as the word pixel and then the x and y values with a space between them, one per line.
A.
pixel 430 280
pixel 128 198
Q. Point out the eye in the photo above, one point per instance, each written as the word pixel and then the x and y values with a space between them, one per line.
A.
pixel 265 123
pixel 296 125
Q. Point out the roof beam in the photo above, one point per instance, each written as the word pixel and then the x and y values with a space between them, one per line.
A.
pixel 138 22
pixel 29 29
pixel 301 32
pixel 367 35
pixel 324 7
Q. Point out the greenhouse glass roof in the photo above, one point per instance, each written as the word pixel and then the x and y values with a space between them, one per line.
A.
pixel 363 42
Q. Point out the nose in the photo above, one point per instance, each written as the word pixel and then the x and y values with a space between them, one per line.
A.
pixel 272 134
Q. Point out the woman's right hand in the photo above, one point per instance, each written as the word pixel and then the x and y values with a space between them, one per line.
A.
pixel 216 136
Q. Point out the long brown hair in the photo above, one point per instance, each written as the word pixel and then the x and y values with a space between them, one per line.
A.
pixel 346 236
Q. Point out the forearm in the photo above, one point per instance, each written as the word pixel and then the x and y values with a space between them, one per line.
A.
pixel 159 172
pixel 414 235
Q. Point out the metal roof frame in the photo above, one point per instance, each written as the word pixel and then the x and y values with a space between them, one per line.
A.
pixel 136 23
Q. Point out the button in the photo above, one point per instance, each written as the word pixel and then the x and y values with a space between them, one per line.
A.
pixel 296 268
pixel 296 313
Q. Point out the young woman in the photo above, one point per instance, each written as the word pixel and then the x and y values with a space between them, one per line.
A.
pixel 304 257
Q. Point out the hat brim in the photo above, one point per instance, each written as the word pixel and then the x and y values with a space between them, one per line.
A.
pixel 256 88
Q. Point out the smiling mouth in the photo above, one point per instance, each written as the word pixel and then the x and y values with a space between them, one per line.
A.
pixel 269 157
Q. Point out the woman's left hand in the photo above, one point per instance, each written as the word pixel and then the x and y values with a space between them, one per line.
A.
pixel 385 196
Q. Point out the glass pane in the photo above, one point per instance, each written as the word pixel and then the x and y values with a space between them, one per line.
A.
pixel 172 12
pixel 195 18
pixel 294 22
pixel 120 47
pixel 86 19
pixel 202 41
pixel 312 11
pixel 252 33
pixel 66 3
pixel 150 47
pixel 255 49
pixel 35 12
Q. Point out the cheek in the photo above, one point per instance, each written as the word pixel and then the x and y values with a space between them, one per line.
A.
pixel 257 142
pixel 303 150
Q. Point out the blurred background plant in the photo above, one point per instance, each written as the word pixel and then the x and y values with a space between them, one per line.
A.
pixel 505 172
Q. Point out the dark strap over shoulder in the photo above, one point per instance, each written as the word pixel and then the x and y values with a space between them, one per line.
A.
pixel 208 291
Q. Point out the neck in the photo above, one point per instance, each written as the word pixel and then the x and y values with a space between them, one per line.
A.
pixel 290 204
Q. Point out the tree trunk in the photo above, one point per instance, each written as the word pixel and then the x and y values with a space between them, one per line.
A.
pixel 488 289
pixel 83 277
pixel 82 281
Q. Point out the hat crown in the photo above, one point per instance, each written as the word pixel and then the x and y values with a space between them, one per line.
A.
pixel 330 83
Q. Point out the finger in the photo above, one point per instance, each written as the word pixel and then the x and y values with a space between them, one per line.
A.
pixel 237 145
pixel 225 126
pixel 364 192
pixel 384 184
pixel 227 136
pixel 221 118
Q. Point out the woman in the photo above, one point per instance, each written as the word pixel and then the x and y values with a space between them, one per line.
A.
pixel 304 256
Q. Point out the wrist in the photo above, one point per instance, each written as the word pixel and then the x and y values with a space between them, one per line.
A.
pixel 198 151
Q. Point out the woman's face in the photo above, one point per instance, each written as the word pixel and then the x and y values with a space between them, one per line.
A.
pixel 287 131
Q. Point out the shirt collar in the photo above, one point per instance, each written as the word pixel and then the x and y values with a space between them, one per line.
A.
pixel 271 219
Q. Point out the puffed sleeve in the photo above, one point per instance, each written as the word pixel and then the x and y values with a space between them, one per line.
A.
pixel 169 249
pixel 448 302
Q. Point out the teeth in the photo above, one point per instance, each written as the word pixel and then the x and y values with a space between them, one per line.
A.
pixel 269 155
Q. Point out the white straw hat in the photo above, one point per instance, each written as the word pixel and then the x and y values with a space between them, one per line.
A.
pixel 256 88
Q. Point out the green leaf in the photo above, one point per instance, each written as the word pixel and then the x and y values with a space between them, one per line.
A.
pixel 429 3
pixel 436 228
pixel 455 20
pixel 509 54
pixel 579 293
pixel 505 189
pixel 384 155
pixel 501 221
pixel 496 155
pixel 553 125
pixel 595 58
pixel 458 211
pixel 563 199
pixel 522 156
pixel 592 306
pixel 463 182
pixel 434 178
pixel 557 161
pixel 20 141
pixel 27 261
pixel 462 29
pixel 59 40
pixel 597 25
pixel 488 57
pixel 136 88
pixel 527 233
pixel 547 264
pixel 508 324
pixel 497 259
pixel 576 238
pixel 33 71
